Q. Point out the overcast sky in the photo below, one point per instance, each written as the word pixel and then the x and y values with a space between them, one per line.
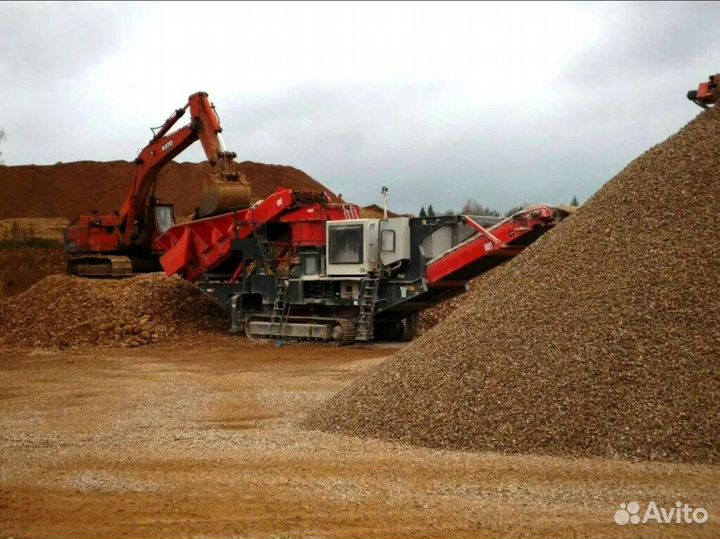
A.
pixel 504 103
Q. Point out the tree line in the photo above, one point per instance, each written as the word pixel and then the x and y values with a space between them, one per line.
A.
pixel 473 207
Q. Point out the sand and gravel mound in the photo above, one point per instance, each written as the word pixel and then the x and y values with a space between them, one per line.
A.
pixel 432 316
pixel 62 311
pixel 602 339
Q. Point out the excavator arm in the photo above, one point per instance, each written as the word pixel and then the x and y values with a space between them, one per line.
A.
pixel 164 147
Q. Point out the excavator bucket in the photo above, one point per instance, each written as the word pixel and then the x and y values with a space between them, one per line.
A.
pixel 224 192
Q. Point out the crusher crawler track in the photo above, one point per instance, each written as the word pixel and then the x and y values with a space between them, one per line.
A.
pixel 300 329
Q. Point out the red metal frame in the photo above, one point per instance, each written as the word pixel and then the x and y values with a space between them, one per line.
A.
pixel 307 224
pixel 89 234
pixel 192 248
pixel 489 242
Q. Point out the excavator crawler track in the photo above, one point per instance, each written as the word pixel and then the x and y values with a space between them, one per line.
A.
pixel 100 266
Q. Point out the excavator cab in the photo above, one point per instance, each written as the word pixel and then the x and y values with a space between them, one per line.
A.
pixel 164 215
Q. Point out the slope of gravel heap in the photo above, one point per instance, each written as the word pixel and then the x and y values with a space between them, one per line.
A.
pixel 432 316
pixel 62 311
pixel 602 339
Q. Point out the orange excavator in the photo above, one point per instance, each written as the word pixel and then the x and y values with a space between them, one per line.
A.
pixel 707 93
pixel 121 243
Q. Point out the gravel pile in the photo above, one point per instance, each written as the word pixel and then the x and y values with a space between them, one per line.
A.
pixel 62 311
pixel 602 339
pixel 432 316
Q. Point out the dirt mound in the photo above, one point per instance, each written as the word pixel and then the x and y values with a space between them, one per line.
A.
pixel 603 338
pixel 373 211
pixel 62 311
pixel 22 267
pixel 71 189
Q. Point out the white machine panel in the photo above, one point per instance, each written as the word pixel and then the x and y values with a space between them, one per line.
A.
pixel 361 246
pixel 394 240
pixel 352 246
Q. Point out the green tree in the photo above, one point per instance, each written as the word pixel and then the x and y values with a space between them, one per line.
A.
pixel 430 211
pixel 422 213
pixel 574 201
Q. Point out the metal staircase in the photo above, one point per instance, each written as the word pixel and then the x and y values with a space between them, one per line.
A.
pixel 263 248
pixel 281 310
pixel 366 301
pixel 350 212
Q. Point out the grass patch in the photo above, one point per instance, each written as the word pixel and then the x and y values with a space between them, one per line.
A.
pixel 19 235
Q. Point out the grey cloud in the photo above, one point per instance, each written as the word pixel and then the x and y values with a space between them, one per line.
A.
pixel 641 38
pixel 47 50
pixel 46 41
pixel 609 104
pixel 356 139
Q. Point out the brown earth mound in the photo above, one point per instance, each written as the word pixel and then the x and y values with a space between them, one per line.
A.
pixel 72 189
pixel 62 311
pixel 603 338
pixel 373 211
pixel 21 267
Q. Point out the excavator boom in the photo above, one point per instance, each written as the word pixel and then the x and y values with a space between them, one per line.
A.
pixel 163 148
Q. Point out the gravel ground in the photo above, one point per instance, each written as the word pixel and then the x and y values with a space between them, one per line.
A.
pixel 203 441
pixel 603 338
